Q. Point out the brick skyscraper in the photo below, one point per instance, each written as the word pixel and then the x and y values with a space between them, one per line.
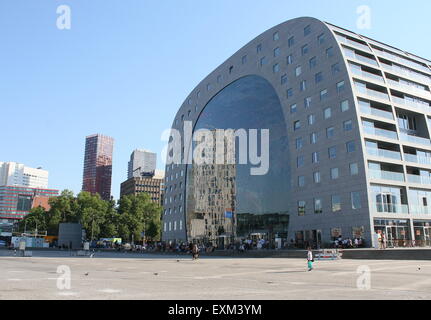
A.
pixel 98 165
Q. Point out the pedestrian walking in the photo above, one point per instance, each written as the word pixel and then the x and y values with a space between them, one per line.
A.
pixel 195 252
pixel 310 259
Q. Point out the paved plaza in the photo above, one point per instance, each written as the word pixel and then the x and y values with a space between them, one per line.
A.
pixel 133 276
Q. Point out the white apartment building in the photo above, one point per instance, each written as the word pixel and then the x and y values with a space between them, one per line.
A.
pixel 17 174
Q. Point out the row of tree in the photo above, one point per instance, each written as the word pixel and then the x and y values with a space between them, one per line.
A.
pixel 128 219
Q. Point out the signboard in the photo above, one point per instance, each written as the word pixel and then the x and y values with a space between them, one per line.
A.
pixel 22 245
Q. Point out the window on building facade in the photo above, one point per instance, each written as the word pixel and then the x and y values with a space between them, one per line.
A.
pixel 304 50
pixel 332 152
pixel 289 93
pixel 291 41
pixel 356 200
pixel 334 173
pixel 313 62
pixel 348 125
pixel 301 208
pixel 290 59
pixel 323 94
pixel 307 102
pixel 301 181
pixel 299 143
pixel 327 113
pixel 321 38
pixel 244 60
pixel 345 105
pixel 354 170
pixel 350 146
pixel 318 207
pixel 336 203
pixel 303 85
pixel 293 108
pixel 276 52
pixel 330 132
pixel 307 30
pixel 313 138
pixel 283 79
pixel 298 71
pixel 318 77
pixel 275 36
pixel 316 177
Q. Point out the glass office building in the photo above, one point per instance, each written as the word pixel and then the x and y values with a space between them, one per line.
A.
pixel 98 165
pixel 349 122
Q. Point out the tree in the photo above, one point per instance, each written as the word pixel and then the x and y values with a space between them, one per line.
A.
pixel 138 214
pixel 36 219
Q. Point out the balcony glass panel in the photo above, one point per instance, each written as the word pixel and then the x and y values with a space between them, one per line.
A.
pixel 412 178
pixel 391 208
pixel 384 153
pixel 377 112
pixel 381 132
pixel 413 139
pixel 386 175
pixel 416 159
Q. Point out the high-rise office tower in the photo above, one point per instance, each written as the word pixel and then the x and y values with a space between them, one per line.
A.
pixel 142 163
pixel 98 165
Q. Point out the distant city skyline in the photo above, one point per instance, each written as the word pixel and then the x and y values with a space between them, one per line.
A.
pixel 125 70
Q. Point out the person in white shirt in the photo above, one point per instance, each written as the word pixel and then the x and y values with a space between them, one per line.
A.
pixel 310 259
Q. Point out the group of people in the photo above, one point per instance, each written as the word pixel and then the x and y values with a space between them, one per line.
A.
pixel 348 243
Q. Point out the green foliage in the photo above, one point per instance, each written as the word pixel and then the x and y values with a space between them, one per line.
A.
pixel 101 219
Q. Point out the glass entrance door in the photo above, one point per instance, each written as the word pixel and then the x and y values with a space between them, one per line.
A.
pixel 390 236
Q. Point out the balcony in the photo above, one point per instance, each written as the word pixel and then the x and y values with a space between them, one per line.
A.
pixel 416 159
pixel 377 112
pixel 414 209
pixel 353 43
pixel 373 93
pixel 402 60
pixel 391 208
pixel 368 75
pixel 384 153
pixel 413 178
pixel 406 72
pixel 424 107
pixel 386 175
pixel 414 139
pixel 381 132
pixel 406 87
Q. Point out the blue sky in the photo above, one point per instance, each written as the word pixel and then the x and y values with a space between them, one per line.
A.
pixel 126 66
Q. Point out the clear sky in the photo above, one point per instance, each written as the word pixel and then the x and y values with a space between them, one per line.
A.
pixel 125 67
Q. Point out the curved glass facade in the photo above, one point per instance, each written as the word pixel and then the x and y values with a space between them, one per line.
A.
pixel 226 201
